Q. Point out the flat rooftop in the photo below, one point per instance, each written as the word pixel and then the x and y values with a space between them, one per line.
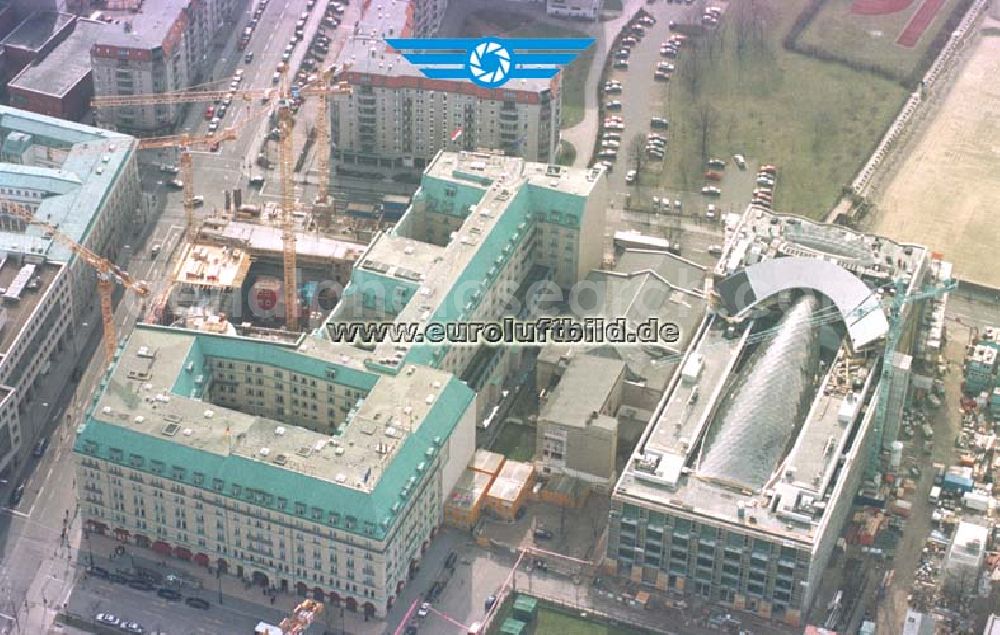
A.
pixel 213 266
pixel 511 189
pixel 71 166
pixel 35 31
pixel 146 29
pixel 16 313
pixel 266 240
pixel 66 66
pixel 582 390
pixel 366 51
pixel 150 409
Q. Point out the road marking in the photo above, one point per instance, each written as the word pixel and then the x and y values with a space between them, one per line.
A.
pixel 35 502
pixel 15 512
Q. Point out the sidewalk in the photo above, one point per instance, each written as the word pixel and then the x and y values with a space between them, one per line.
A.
pixel 228 590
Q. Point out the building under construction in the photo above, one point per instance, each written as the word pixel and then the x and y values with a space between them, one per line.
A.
pixel 746 473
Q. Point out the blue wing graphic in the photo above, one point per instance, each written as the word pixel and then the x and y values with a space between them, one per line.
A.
pixel 490 62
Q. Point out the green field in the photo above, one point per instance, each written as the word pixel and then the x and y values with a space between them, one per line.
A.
pixel 738 91
pixel 516 442
pixel 574 77
pixel 552 620
pixel 871 39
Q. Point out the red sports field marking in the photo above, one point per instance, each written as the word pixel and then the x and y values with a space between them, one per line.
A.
pixel 919 22
pixel 879 7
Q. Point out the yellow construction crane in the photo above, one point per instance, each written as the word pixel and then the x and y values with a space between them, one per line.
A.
pixel 285 125
pixel 185 142
pixel 301 617
pixel 108 274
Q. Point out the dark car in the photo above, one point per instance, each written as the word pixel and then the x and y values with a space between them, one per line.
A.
pixel 197 603
pixel 100 572
pixel 169 594
pixel 140 585
pixel 248 58
pixel 40 448
pixel 118 578
pixel 411 629
pixel 542 534
pixel 17 495
pixel 490 601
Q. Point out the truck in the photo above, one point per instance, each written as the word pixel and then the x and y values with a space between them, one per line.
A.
pixel 939 469
pixel 935 495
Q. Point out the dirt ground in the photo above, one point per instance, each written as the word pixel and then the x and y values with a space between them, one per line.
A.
pixel 945 191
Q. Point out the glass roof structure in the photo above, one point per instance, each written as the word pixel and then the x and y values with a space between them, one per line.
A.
pixel 760 416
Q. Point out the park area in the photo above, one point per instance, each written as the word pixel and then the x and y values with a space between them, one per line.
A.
pixel 574 76
pixel 549 619
pixel 737 90
pixel 944 192
pixel 892 36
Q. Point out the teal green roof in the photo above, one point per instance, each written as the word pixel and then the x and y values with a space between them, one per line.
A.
pixel 373 514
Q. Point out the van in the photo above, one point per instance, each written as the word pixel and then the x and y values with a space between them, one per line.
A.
pixel 257 180
pixel 155 251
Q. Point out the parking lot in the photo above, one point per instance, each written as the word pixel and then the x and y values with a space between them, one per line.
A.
pixel 636 97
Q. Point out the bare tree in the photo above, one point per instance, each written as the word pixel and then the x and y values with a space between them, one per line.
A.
pixel 691 69
pixel 636 152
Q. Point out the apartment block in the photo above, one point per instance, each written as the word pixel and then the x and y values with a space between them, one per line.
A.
pixel 289 470
pixel 395 117
pixel 162 47
pixel 484 233
pixel 85 181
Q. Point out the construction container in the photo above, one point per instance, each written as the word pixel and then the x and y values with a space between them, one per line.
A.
pixel 525 608
pixel 513 627
pixel 901 508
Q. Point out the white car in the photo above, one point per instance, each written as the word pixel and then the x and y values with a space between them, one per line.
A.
pixel 740 161
pixel 711 190
pixel 213 125
pixel 610 144
pixel 107 618
pixel 630 177
pixel 424 609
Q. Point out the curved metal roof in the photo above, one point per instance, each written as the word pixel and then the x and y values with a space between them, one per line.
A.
pixel 760 416
pixel 858 305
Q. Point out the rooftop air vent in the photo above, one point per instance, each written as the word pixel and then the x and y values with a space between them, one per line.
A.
pixel 280 459
pixel 279 431
pixel 170 429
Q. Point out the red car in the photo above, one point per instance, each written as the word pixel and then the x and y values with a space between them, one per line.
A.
pixel 713 176
pixel 770 169
pixel 209 113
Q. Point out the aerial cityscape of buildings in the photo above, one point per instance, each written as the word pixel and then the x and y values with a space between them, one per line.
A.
pixel 298 337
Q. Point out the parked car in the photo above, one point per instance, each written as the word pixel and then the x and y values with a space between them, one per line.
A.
pixel 411 629
pixel 424 609
pixel 711 190
pixel 712 175
pixel 630 177
pixel 490 601
pixel 17 495
pixel 661 76
pixel 541 533
pixel 198 603
pixel 107 618
pixel 740 161
pixel 620 64
pixel 39 449
pixel 715 250
pixel 608 154
pixel 611 136
pixel 659 123
pixel 613 105
pixel 655 153
pixel 768 169
pixel 140 585
pixel 248 58
pixel 717 164
pixel 177 184
pixel 613 87
pixel 169 169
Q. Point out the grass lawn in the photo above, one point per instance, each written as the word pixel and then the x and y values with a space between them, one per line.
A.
pixel 516 442
pixel 817 121
pixel 871 39
pixel 574 77
pixel 554 621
